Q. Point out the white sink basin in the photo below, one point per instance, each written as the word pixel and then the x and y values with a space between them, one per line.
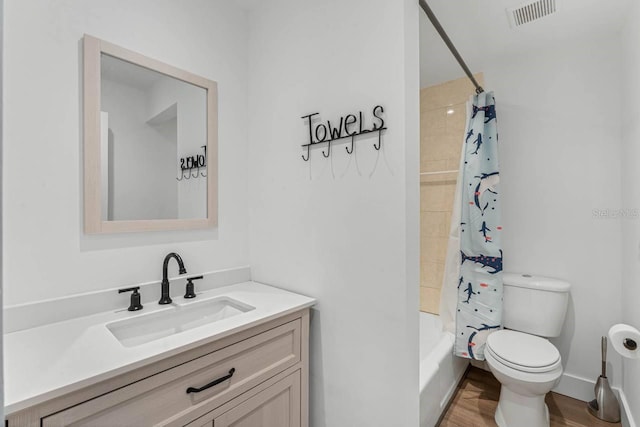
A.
pixel 175 319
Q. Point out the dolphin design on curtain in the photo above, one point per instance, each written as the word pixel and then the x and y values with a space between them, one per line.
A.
pixel 479 304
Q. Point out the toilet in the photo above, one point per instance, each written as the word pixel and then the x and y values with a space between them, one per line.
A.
pixel 527 365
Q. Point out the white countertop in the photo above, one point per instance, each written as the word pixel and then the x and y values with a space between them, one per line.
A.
pixel 51 360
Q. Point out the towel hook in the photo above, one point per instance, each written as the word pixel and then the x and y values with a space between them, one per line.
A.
pixel 326 155
pixel 353 137
pixel 379 140
pixel 308 154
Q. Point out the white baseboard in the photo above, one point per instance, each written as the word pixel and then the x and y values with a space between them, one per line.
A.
pixel 627 417
pixel 576 387
pixel 582 389
pixel 480 364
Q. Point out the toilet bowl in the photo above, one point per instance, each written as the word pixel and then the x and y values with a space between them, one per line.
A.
pixel 528 367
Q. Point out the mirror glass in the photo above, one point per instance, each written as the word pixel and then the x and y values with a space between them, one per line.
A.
pixel 153 144
pixel 150 143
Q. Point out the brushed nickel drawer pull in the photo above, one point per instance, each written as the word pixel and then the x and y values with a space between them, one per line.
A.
pixel 212 383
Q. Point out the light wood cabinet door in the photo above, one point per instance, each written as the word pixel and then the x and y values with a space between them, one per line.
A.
pixel 162 399
pixel 277 406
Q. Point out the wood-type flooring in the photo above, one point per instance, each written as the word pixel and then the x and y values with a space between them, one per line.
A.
pixel 476 399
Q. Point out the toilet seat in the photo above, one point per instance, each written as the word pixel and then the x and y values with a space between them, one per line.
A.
pixel 523 352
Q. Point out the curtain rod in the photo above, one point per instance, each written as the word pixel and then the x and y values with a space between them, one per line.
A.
pixel 449 43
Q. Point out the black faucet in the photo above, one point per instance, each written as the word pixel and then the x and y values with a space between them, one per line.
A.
pixel 165 298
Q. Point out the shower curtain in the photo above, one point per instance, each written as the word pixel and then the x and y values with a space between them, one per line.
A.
pixel 471 302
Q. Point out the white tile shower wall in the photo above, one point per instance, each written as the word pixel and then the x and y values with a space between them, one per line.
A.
pixel 345 229
pixel 631 198
pixel 560 146
pixel 46 254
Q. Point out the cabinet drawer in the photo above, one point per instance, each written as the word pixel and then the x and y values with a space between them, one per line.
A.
pixel 162 398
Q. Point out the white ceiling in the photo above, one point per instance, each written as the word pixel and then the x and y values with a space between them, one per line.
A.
pixel 480 30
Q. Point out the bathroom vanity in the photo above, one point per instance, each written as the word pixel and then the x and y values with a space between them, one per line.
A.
pixel 248 366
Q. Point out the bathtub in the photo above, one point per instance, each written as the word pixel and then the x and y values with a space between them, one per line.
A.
pixel 440 371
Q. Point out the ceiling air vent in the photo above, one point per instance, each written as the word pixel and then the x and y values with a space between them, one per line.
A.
pixel 531 11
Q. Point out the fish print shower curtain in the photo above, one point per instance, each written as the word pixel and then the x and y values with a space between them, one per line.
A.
pixel 479 285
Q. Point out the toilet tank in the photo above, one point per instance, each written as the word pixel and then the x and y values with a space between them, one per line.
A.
pixel 534 304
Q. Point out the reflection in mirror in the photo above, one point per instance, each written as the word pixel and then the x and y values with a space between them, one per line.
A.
pixel 148 122
pixel 150 135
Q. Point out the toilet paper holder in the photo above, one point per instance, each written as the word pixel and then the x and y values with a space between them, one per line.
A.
pixel 630 344
pixel 625 339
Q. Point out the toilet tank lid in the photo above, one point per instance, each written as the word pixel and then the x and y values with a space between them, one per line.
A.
pixel 535 282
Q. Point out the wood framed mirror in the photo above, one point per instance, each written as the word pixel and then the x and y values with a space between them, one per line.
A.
pixel 150 143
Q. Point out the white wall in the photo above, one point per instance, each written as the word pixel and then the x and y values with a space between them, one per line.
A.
pixel 46 254
pixel 560 145
pixel 1 201
pixel 631 197
pixel 343 230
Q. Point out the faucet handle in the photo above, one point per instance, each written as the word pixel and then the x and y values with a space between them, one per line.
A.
pixel 135 298
pixel 190 293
